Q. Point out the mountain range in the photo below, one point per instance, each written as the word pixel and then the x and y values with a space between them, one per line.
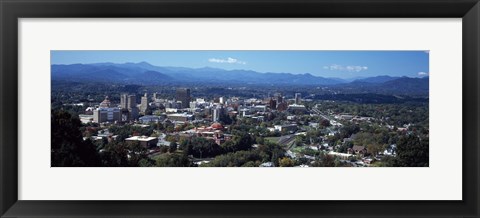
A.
pixel 144 73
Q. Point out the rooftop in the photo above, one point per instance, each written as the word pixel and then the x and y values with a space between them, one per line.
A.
pixel 180 115
pixel 140 138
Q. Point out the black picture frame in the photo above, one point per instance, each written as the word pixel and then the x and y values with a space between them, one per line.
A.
pixel 12 10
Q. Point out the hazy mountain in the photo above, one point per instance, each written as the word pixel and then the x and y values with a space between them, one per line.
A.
pixel 135 73
pixel 105 72
pixel 396 86
pixel 144 73
pixel 376 79
pixel 153 77
pixel 406 85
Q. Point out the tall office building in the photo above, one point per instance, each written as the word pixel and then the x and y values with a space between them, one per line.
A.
pixel 183 95
pixel 279 98
pixel 129 103
pixel 298 98
pixel 216 114
pixel 144 103
pixel 282 106
pixel 132 101
pixel 272 103
pixel 133 112
pixel 123 101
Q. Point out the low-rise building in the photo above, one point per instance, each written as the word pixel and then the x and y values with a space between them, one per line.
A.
pixel 149 119
pixel 145 141
pixel 344 117
pixel 356 149
pixel 259 108
pixel 286 127
pixel 296 108
pixel 219 137
pixel 180 117
pixel 84 118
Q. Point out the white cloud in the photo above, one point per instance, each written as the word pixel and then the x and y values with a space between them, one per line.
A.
pixel 422 74
pixel 345 68
pixel 228 60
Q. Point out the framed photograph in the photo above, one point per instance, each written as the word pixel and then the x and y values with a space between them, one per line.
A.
pixel 207 108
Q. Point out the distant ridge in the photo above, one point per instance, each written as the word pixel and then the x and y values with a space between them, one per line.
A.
pixel 132 73
pixel 144 73
pixel 376 79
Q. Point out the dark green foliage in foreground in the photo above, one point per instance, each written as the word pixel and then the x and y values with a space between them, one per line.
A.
pixel 236 159
pixel 412 151
pixel 201 147
pixel 241 141
pixel 250 158
pixel 115 155
pixel 326 161
pixel 68 147
pixel 173 147
pixel 204 148
pixel 173 160
pixel 146 163
pixel 124 154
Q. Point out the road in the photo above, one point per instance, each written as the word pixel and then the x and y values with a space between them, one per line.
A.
pixel 286 139
pixel 319 113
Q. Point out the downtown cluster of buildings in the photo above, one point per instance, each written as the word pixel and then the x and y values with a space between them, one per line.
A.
pixel 128 109
pixel 183 108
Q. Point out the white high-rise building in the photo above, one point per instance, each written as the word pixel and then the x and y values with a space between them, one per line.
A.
pixel 216 114
pixel 144 103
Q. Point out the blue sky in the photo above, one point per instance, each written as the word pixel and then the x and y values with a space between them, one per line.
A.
pixel 339 64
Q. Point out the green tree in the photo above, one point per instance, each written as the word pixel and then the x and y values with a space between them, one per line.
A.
pixel 164 149
pixel 173 147
pixel 240 142
pixel 68 149
pixel 136 152
pixel 375 148
pixel 286 162
pixel 172 160
pixel 115 154
pixel 236 159
pixel 412 151
pixel 146 162
pixel 325 123
pixel 200 147
pixel 325 161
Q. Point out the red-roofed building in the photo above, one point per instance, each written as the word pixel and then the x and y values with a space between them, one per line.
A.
pixel 217 126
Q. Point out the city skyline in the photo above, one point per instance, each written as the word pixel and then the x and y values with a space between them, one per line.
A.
pixel 133 109
pixel 332 64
